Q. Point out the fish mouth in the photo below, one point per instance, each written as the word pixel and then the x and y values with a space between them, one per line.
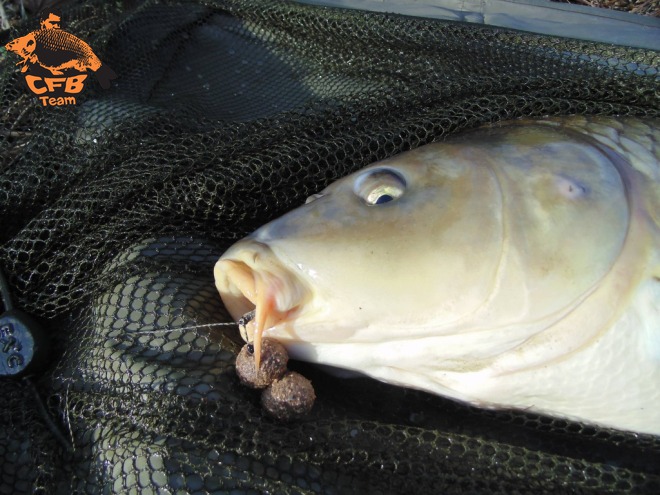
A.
pixel 250 278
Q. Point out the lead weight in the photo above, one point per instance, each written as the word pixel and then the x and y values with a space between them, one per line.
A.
pixel 23 342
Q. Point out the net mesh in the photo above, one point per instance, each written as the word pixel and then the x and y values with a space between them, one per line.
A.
pixel 224 115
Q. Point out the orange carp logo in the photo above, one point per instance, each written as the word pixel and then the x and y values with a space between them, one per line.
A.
pixel 55 63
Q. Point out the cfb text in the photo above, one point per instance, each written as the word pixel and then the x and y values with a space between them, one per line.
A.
pixel 44 85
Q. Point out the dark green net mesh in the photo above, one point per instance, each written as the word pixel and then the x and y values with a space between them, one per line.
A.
pixel 224 115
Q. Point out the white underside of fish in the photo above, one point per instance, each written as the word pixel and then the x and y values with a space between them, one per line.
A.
pixel 608 382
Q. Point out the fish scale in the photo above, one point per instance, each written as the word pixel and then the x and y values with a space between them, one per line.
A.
pixel 67 47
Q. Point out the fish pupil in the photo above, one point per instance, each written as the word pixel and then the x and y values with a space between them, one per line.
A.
pixel 250 348
pixel 384 198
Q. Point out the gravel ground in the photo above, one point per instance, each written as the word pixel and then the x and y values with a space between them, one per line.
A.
pixel 643 7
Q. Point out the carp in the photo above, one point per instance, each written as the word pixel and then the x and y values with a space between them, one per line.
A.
pixel 57 50
pixel 513 266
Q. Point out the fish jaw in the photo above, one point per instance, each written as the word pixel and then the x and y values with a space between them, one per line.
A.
pixel 250 277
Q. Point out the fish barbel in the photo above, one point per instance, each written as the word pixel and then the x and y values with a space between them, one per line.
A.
pixel 514 266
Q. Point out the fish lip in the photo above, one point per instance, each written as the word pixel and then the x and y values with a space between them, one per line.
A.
pixel 244 268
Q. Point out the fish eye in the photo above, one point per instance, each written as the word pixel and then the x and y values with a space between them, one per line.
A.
pixel 380 186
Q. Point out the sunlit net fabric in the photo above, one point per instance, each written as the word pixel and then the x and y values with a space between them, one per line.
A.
pixel 223 116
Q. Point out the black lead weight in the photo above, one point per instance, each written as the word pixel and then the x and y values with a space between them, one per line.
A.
pixel 23 343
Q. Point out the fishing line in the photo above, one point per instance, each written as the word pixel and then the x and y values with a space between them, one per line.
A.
pixel 174 329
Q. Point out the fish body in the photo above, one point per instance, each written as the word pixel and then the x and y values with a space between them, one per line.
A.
pixel 57 50
pixel 515 266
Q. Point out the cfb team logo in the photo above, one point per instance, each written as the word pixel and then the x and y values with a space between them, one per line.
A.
pixel 55 63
